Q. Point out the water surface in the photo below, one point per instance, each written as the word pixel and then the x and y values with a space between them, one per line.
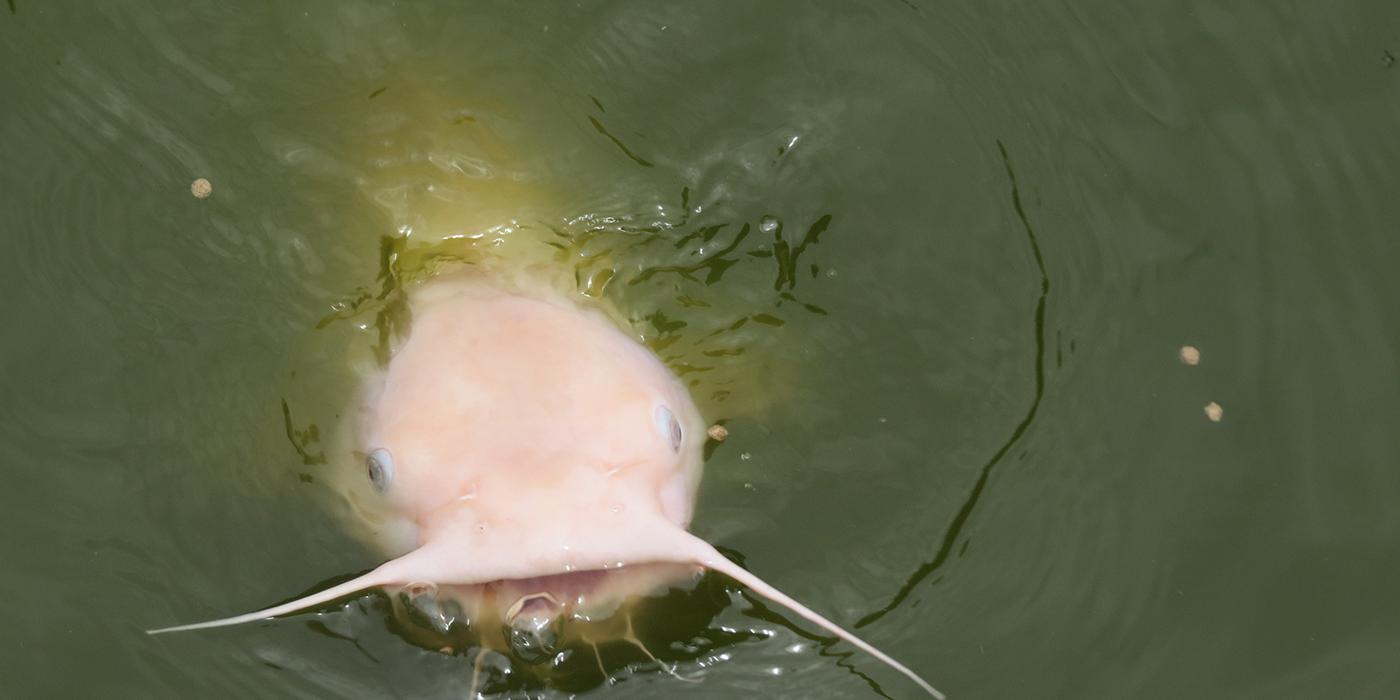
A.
pixel 958 418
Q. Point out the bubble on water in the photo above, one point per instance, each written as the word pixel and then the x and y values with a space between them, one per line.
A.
pixel 768 224
pixel 534 637
pixel 745 456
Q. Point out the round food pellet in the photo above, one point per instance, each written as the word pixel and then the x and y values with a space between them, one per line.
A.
pixel 1214 412
pixel 1190 355
pixel 718 432
pixel 201 188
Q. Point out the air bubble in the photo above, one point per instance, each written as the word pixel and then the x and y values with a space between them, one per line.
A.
pixel 534 637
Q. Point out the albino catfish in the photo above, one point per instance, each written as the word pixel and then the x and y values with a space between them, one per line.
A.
pixel 538 463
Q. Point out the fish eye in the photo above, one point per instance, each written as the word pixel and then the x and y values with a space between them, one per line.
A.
pixel 669 427
pixel 380 465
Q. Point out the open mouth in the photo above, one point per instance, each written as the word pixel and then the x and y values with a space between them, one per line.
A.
pixel 578 629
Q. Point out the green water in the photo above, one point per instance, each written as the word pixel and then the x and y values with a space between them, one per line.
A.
pixel 958 418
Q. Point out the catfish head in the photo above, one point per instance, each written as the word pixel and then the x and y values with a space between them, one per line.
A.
pixel 534 464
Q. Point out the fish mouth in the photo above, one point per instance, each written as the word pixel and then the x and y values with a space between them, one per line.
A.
pixel 526 635
pixel 535 609
pixel 538 623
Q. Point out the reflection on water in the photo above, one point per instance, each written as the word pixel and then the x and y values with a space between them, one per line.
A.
pixel 833 220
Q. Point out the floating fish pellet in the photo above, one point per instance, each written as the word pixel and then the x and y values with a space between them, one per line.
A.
pixel 718 432
pixel 201 188
pixel 1214 412
pixel 1190 355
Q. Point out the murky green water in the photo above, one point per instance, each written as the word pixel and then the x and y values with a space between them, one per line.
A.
pixel 958 418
